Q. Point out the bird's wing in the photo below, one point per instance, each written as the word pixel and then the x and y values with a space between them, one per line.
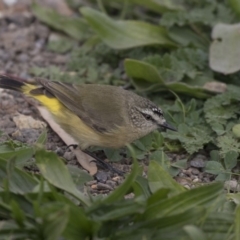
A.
pixel 94 104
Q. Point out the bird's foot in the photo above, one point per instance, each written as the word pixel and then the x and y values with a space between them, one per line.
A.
pixel 103 164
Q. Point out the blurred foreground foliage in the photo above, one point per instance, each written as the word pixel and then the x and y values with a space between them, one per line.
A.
pixel 54 205
pixel 160 50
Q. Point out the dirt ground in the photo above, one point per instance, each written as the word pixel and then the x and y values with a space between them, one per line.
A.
pixel 23 41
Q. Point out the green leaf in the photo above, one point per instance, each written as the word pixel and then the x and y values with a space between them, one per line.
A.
pixel 142 71
pixel 79 225
pixel 74 27
pixel 79 176
pixel 113 154
pixel 20 182
pixel 228 143
pixel 17 213
pixel 164 227
pixel 182 164
pixel 54 170
pixel 214 154
pixel 158 6
pixel 42 139
pixel 158 178
pixel 225 49
pixel 237 223
pixel 54 222
pixel 126 185
pixel 161 158
pixel 141 187
pixel 194 232
pixel 115 211
pixel 186 37
pixel 236 130
pixel 125 34
pixel 191 138
pixel 21 154
pixel 145 77
pixel 184 201
pixel 235 5
pixel 214 167
pixel 230 159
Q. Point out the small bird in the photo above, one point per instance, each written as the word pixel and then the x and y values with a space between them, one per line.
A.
pixel 94 115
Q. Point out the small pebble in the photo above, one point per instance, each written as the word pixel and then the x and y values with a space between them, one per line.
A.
pixel 101 176
pixel 91 183
pixel 116 179
pixel 129 196
pixel 111 183
pixel 103 186
pixel 68 155
pixel 94 186
pixel 199 161
pixel 196 180
pixel 195 171
pixel 187 186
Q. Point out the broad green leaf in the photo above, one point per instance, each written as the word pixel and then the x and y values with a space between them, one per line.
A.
pixel 222 177
pixel 19 181
pixel 159 6
pixel 146 78
pixel 10 230
pixel 235 5
pixel 182 164
pixel 17 213
pixel 194 232
pixel 119 34
pixel 159 195
pixel 195 91
pixel 42 139
pixel 114 211
pixel 218 225
pixel 237 223
pixel 141 187
pixel 74 27
pixel 127 184
pixel 163 227
pixel 215 156
pixel 79 225
pixel 113 154
pixel 140 70
pixel 79 176
pixel 186 37
pixel 236 130
pixel 230 159
pixel 54 222
pixel 225 48
pixel 235 197
pixel 161 158
pixel 54 170
pixel 201 196
pixel 21 154
pixel 214 167
pixel 158 178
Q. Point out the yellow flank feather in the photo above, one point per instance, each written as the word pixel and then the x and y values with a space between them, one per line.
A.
pixel 52 104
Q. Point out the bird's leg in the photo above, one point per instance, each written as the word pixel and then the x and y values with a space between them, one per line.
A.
pixel 72 145
pixel 103 164
pixel 98 161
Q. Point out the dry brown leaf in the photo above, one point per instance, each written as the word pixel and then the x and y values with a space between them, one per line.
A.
pixel 85 160
pixel 215 87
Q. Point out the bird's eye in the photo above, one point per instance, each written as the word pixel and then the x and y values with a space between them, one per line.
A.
pixel 148 117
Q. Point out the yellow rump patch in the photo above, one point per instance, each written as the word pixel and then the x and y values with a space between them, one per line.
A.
pixel 53 104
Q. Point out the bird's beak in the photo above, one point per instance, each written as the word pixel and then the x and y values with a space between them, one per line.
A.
pixel 168 126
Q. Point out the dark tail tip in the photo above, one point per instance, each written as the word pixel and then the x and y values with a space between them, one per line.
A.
pixel 11 82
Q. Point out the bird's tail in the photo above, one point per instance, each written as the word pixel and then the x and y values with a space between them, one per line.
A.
pixel 15 83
